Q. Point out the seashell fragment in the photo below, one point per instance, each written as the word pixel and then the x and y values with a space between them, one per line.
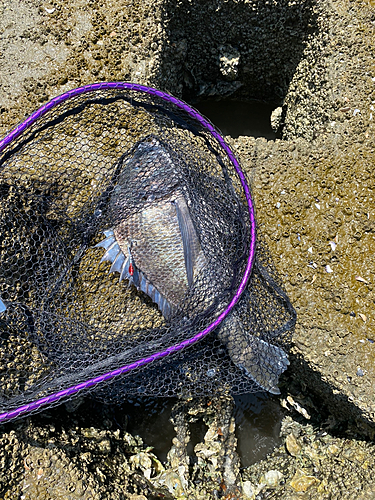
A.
pixel 359 278
pixel 301 482
pixel 333 245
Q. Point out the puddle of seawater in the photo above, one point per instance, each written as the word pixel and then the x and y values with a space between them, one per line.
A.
pixel 150 419
pixel 258 421
pixel 258 418
pixel 235 118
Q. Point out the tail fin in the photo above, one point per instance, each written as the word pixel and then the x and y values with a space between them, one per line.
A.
pixel 261 361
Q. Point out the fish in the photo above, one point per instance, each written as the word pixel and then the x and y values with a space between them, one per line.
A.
pixel 259 360
pixel 155 246
pixel 158 251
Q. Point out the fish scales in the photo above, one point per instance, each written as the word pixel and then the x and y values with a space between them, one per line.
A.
pixel 153 243
pixel 157 248
pixel 156 245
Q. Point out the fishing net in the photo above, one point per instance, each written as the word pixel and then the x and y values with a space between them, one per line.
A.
pixel 127 240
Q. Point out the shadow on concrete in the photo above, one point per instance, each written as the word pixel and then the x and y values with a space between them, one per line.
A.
pixel 330 409
pixel 249 49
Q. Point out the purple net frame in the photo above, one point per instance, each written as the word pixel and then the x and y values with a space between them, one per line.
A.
pixel 55 397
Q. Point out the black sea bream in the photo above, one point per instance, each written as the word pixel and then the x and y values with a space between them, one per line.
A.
pixel 156 248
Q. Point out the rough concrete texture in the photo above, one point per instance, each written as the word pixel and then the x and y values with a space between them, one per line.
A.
pixel 314 197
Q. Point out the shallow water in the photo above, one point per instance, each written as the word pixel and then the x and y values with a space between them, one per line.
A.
pixel 150 420
pixel 258 417
pixel 235 118
pixel 258 421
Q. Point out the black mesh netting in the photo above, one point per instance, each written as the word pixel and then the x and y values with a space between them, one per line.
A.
pixel 125 181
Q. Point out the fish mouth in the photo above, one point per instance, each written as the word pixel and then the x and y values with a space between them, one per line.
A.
pixel 126 267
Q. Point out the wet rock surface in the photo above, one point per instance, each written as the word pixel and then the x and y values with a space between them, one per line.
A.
pixel 315 207
pixel 89 454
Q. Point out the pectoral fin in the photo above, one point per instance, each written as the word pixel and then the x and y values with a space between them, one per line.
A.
pixel 190 241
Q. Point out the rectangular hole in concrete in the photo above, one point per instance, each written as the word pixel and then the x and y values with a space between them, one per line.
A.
pixel 245 49
pixel 236 117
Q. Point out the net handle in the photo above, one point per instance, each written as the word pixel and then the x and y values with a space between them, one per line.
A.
pixel 16 132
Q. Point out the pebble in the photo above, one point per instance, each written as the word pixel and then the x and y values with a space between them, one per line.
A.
pixel 273 478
